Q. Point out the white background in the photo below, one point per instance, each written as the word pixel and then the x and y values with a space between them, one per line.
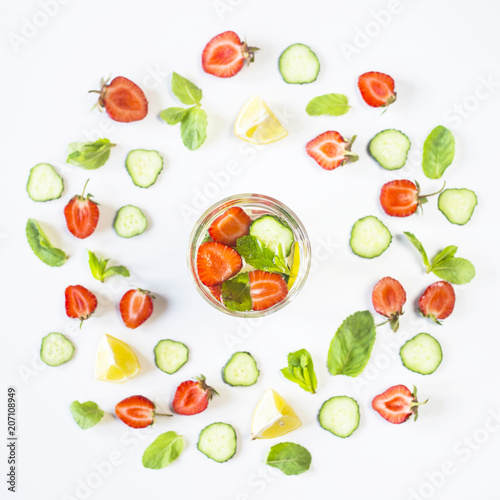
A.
pixel 438 53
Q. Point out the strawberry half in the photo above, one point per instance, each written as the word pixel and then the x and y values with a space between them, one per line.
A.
pixel 122 99
pixel 401 198
pixel 82 215
pixel 397 404
pixel 388 298
pixel 137 412
pixel 377 89
pixel 225 54
pixel 136 306
pixel 331 150
pixel 266 289
pixel 192 396
pixel 216 263
pixel 231 225
pixel 438 301
pixel 80 303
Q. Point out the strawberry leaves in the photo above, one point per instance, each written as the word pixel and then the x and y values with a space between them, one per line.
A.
pixel 100 271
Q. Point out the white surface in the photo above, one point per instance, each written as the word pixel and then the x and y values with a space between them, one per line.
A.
pixel 438 53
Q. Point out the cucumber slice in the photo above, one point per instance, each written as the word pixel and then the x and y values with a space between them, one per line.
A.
pixel 422 354
pixel 56 349
pixel 170 355
pixel 369 237
pixel 340 416
pixel 241 370
pixel 130 221
pixel 390 149
pixel 44 183
pixel 273 232
pixel 298 64
pixel 218 441
pixel 144 166
pixel 457 205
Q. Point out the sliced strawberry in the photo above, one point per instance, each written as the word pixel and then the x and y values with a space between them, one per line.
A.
pixel 82 215
pixel 397 404
pixel 225 54
pixel 192 396
pixel 136 306
pixel 137 412
pixel 231 225
pixel 438 301
pixel 216 263
pixel 123 100
pixel 377 89
pixel 216 291
pixel 388 298
pixel 266 289
pixel 80 303
pixel 331 150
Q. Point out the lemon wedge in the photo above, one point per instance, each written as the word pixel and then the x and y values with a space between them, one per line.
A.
pixel 115 362
pixel 294 271
pixel 273 417
pixel 257 124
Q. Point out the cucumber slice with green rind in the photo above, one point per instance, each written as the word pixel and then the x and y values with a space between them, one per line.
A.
pixel 130 221
pixel 170 355
pixel 457 205
pixel 390 149
pixel 241 370
pixel 422 354
pixel 218 441
pixel 369 237
pixel 273 231
pixel 144 166
pixel 340 416
pixel 298 64
pixel 56 349
pixel 44 183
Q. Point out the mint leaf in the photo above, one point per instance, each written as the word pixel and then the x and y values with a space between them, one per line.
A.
pixel 173 115
pixel 163 450
pixel 444 255
pixel 194 128
pixel 352 345
pixel 290 458
pixel 414 241
pixel 86 415
pixel 328 104
pixel 99 270
pixel 260 256
pixel 42 247
pixel 184 90
pixel 439 150
pixel 300 370
pixel 236 293
pixel 89 155
pixel 455 270
pixel 112 271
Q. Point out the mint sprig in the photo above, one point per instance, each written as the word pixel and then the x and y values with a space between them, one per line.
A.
pixel 100 270
pixel 300 370
pixel 438 153
pixel 89 155
pixel 290 458
pixel 260 256
pixel 86 415
pixel 163 450
pixel 42 247
pixel 328 104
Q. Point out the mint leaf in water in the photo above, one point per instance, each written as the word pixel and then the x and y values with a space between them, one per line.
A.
pixel 184 90
pixel 89 155
pixel 194 128
pixel 300 370
pixel 260 256
pixel 236 293
pixel 439 150
pixel 100 271
pixel 86 415
pixel 328 104
pixel 166 448
pixel 290 458
pixel 352 345
pixel 42 247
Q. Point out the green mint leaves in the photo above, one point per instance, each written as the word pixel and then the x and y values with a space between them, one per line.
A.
pixel 89 155
pixel 42 247
pixel 352 345
pixel 86 415
pixel 439 150
pixel 300 370
pixel 445 265
pixel 166 448
pixel 328 104
pixel 260 256
pixel 236 293
pixel 290 458
pixel 100 271
pixel 193 120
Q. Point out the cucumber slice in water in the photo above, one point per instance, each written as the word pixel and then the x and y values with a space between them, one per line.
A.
pixel 298 64
pixel 422 354
pixel 144 166
pixel 241 370
pixel 218 441
pixel 130 221
pixel 457 205
pixel 390 149
pixel 170 355
pixel 273 232
pixel 44 183
pixel 340 416
pixel 56 349
pixel 369 237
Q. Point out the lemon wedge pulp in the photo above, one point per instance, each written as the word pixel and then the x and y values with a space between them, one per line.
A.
pixel 294 271
pixel 257 124
pixel 115 361
pixel 273 417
